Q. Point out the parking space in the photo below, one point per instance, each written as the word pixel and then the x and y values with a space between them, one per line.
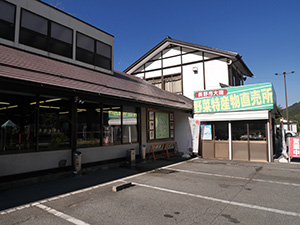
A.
pixel 197 191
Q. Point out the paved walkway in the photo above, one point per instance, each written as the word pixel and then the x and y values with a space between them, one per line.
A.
pixel 57 184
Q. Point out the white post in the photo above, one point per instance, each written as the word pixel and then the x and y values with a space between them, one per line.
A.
pixel 230 141
pixel 270 152
pixel 129 134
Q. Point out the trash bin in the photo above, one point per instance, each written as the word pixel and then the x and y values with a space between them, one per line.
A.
pixel 77 162
pixel 143 152
pixel 131 156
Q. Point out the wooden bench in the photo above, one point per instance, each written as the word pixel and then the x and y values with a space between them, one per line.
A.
pixel 165 149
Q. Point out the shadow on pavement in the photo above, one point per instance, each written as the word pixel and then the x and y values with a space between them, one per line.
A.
pixel 25 194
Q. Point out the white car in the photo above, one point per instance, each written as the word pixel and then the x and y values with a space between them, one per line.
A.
pixel 289 133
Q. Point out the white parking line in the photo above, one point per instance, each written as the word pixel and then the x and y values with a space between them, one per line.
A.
pixel 234 177
pixel 61 215
pixel 257 207
pixel 86 189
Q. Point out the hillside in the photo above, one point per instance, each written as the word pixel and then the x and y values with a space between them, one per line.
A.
pixel 294 112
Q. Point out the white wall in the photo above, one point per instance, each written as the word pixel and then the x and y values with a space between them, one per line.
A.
pixel 183 135
pixel 97 154
pixel 192 81
pixel 216 72
pixel 182 131
pixel 29 162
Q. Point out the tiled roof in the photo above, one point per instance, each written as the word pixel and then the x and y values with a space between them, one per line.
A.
pixel 17 64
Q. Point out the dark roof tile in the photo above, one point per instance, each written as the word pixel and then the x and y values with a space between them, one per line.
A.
pixel 25 66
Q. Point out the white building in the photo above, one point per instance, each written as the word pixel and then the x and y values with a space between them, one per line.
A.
pixel 182 67
pixel 211 78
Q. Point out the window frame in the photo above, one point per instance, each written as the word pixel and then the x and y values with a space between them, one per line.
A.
pixel 151 126
pixel 97 58
pixel 10 25
pixel 160 81
pixel 50 41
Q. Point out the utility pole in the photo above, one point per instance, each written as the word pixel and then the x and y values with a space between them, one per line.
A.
pixel 286 102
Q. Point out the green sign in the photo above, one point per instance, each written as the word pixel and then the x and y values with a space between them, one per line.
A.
pixel 117 115
pixel 249 97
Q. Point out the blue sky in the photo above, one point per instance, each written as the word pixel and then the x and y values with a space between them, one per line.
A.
pixel 266 33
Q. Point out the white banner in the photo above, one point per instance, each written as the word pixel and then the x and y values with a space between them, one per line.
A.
pixel 195 128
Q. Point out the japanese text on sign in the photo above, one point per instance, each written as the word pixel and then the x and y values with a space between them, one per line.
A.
pixel 294 147
pixel 235 98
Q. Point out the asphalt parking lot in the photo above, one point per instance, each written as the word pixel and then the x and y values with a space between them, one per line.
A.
pixel 196 191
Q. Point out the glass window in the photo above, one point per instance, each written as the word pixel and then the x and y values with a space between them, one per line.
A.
pixel 61 40
pixel 221 131
pixel 35 33
pixel 155 81
pixel 103 49
pixel 17 120
pixel 7 11
pixel 257 130
pixel 34 30
pixel 61 48
pixel 54 123
pixel 173 83
pixel 103 62
pixel 85 56
pixel 61 33
pixel 88 126
pixel 7 20
pixel 130 127
pixel 85 42
pixel 239 131
pixel 34 22
pixel 86 52
pixel 112 129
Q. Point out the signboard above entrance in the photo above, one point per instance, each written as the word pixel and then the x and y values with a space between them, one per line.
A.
pixel 249 97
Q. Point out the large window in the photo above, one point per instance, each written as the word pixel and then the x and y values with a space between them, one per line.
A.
pixel 18 122
pixel 156 81
pixel 33 30
pixel 171 83
pixel 160 125
pixel 7 20
pixel 42 123
pixel 130 125
pixel 112 125
pixel 88 126
pixel 257 130
pixel 61 40
pixel 249 130
pixel 239 131
pixel 54 123
pixel 41 33
pixel 93 52
pixel 214 131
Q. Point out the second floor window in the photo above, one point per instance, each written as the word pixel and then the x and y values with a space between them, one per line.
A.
pixel 7 20
pixel 38 32
pixel 171 83
pixel 93 52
